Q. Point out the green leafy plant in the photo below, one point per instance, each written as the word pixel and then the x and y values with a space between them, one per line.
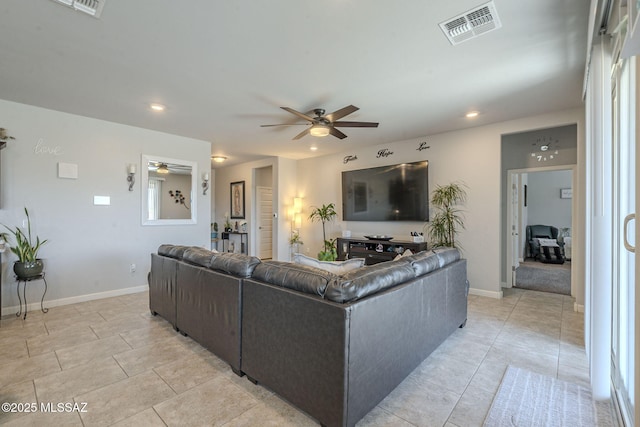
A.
pixel 448 219
pixel 325 214
pixel 295 239
pixel 25 248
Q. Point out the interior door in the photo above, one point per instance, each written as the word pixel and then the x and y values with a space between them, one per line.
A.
pixel 513 228
pixel 623 340
pixel 265 223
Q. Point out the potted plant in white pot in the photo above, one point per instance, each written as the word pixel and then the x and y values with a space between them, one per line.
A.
pixel 26 249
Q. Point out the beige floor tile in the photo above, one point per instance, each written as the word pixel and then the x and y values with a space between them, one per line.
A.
pixel 63 386
pixel 27 369
pixel 146 418
pixel 88 352
pixel 213 403
pixel 574 374
pixel 155 334
pixel 58 419
pixel 378 417
pixel 58 340
pixel 420 403
pixel 12 348
pixel 272 412
pixel 148 357
pixel 188 372
pixel 447 372
pixel 23 392
pixel 472 408
pixel 18 329
pixel 57 325
pixel 120 325
pixel 124 399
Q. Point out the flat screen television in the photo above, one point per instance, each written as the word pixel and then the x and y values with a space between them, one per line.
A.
pixel 387 193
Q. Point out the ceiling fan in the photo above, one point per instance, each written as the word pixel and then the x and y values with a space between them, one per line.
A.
pixel 323 125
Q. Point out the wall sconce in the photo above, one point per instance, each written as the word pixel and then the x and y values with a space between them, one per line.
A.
pixel 205 183
pixel 131 175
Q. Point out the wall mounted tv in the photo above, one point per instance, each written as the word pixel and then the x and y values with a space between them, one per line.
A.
pixel 387 193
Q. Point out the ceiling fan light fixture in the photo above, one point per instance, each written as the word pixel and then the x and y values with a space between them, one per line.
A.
pixel 163 169
pixel 319 130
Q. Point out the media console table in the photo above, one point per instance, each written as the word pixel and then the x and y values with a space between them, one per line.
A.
pixel 375 251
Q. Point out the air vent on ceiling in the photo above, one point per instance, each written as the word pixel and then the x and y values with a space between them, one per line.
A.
pixel 471 24
pixel 90 7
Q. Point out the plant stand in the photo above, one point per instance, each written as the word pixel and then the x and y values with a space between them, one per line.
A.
pixel 24 293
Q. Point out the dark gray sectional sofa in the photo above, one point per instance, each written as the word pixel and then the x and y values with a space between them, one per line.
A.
pixel 334 346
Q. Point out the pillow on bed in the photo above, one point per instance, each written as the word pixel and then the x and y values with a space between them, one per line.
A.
pixel 336 267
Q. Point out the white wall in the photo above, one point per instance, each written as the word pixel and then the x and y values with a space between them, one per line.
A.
pixel 90 248
pixel 471 156
pixel 544 203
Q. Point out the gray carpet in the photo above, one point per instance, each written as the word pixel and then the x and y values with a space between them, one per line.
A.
pixel 527 399
pixel 555 279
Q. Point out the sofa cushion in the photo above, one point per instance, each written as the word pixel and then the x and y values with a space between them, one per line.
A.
pixel 447 255
pixel 423 262
pixel 368 280
pixel 173 251
pixel 198 256
pixel 240 265
pixel 300 277
pixel 336 267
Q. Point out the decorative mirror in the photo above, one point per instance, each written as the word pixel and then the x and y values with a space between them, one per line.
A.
pixel 168 191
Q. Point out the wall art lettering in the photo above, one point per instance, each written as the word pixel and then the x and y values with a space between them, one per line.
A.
pixel 385 152
pixel 41 148
pixel 349 158
pixel 423 146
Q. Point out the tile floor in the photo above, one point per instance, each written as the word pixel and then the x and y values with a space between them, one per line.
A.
pixel 133 369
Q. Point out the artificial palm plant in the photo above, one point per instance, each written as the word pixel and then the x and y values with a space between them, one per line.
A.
pixel 324 214
pixel 448 219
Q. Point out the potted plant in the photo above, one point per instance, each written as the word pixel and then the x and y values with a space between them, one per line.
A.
pixel 447 219
pixel 295 241
pixel 28 264
pixel 324 214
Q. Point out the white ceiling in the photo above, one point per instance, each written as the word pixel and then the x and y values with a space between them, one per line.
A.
pixel 223 68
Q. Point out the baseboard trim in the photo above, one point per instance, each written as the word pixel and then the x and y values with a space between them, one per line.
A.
pixel 74 300
pixel 484 293
pixel 579 308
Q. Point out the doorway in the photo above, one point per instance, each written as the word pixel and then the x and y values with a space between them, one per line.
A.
pixel 540 206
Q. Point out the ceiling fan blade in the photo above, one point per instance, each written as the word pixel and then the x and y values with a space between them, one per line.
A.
pixel 303 133
pixel 285 124
pixel 335 132
pixel 356 124
pixel 338 114
pixel 298 113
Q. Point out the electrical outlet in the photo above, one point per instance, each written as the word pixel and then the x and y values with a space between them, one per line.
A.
pixel 25 223
pixel 132 268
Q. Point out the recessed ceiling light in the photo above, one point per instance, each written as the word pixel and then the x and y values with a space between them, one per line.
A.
pixel 313 148
pixel 157 107
pixel 218 159
pixel 471 114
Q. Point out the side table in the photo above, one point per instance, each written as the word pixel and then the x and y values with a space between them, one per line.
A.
pixel 24 293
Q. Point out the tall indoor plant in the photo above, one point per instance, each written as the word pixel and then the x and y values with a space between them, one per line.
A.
pixel 26 249
pixel 324 214
pixel 448 219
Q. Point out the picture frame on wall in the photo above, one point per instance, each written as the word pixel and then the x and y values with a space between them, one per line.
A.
pixel 237 200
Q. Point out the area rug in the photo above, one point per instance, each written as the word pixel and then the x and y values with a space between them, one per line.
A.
pixel 557 280
pixel 527 399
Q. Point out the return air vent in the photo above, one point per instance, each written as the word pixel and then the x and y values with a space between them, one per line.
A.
pixel 471 24
pixel 90 7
